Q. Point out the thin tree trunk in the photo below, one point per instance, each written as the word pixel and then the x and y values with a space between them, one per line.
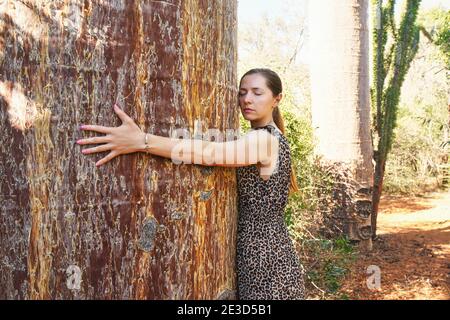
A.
pixel 377 190
pixel 139 227
pixel 445 160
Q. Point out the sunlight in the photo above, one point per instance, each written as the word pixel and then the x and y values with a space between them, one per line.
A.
pixel 24 19
pixel 22 111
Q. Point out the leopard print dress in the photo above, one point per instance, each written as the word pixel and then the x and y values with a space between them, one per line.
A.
pixel 268 267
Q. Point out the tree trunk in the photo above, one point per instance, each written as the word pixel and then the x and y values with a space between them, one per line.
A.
pixel 445 159
pixel 339 46
pixel 377 190
pixel 139 227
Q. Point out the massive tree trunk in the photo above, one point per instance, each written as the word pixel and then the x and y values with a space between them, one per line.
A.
pixel 339 45
pixel 139 227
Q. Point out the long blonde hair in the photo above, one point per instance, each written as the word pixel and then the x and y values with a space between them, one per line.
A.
pixel 273 82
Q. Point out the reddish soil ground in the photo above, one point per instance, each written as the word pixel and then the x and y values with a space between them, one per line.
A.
pixel 412 251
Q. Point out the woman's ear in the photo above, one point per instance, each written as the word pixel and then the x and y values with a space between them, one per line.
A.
pixel 278 98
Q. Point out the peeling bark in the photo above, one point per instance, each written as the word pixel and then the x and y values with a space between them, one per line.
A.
pixel 139 227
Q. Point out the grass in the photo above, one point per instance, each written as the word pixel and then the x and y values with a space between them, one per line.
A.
pixel 329 262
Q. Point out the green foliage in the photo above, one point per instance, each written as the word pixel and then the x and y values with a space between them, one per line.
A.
pixel 391 66
pixel 435 24
pixel 244 124
pixel 299 134
pixel 331 261
pixel 416 162
pixel 443 39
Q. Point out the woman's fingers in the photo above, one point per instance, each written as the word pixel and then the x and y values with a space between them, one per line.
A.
pixel 94 140
pixel 110 156
pixel 122 115
pixel 119 140
pixel 96 128
pixel 101 148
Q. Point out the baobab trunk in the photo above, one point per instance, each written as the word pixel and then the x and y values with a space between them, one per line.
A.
pixel 139 227
pixel 339 46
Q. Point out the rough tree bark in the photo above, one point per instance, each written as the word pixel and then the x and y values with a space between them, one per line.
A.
pixel 139 227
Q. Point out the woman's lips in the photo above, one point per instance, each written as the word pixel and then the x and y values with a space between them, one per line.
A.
pixel 248 110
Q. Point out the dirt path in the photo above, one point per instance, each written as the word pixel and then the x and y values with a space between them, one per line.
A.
pixel 412 252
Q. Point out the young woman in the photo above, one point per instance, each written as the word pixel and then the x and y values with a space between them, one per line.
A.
pixel 267 264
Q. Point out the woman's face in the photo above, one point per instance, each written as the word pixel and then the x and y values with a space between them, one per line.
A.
pixel 256 101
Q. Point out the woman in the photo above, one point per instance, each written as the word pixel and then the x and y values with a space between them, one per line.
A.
pixel 267 265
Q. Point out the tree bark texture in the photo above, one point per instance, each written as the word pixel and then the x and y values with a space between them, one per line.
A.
pixel 139 227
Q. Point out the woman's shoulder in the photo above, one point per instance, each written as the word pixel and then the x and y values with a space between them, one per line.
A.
pixel 274 130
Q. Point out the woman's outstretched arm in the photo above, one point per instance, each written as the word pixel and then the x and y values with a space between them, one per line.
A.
pixel 257 146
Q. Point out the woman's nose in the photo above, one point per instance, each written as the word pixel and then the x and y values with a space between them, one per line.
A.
pixel 247 98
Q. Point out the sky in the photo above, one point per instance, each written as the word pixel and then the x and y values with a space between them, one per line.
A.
pixel 249 10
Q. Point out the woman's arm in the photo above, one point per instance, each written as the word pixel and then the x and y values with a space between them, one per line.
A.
pixel 257 146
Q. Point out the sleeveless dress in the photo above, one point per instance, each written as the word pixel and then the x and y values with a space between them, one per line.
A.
pixel 268 267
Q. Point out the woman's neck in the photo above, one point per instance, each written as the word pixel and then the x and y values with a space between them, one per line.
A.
pixel 259 124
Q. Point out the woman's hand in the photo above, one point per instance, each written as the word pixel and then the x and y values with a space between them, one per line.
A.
pixel 127 138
